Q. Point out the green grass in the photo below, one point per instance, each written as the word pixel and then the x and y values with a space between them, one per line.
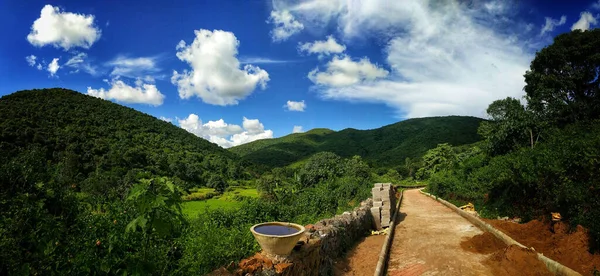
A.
pixel 201 191
pixel 193 208
pixel 226 201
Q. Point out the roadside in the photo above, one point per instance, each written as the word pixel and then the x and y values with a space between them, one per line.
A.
pixel 432 239
pixel 569 248
pixel 362 259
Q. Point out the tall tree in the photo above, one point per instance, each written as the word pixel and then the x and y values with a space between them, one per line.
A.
pixel 511 126
pixel 562 83
pixel 436 159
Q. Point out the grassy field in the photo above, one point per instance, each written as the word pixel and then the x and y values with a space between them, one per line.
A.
pixel 225 201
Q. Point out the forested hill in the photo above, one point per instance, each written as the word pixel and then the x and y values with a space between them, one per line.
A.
pixel 59 135
pixel 385 146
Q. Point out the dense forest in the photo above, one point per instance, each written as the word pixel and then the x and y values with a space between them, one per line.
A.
pixel 388 146
pixel 540 157
pixel 89 186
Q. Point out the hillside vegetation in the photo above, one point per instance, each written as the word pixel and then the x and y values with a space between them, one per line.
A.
pixel 386 146
pixel 91 187
pixel 97 144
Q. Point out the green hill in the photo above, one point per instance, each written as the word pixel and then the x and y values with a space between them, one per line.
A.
pixel 64 136
pixel 385 146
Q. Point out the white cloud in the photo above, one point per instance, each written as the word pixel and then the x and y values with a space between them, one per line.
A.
pixel 223 134
pixel 585 21
pixel 39 66
pixel 31 60
pixel 137 67
pixel 63 29
pixel 343 71
pixel 551 23
pixel 216 76
pixel 297 129
pixel 79 62
pixel 322 47
pixel 262 60
pixel 142 93
pixel 53 67
pixel 166 119
pixel 495 7
pixel 446 57
pixel 295 106
pixel 285 25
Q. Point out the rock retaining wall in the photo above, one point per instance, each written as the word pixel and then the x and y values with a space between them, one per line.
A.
pixel 324 242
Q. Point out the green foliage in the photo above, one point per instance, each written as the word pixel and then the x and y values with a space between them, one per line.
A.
pixel 512 126
pixel 387 146
pixel 218 183
pixel 157 203
pixel 562 82
pixel 320 167
pixel 217 237
pixel 437 159
pixel 101 146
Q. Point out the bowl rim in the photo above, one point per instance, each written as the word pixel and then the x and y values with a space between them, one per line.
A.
pixel 300 228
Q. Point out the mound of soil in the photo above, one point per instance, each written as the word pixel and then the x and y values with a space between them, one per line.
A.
pixel 515 260
pixel 569 248
pixel 485 243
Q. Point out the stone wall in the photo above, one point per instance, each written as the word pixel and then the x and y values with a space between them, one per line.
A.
pixel 323 243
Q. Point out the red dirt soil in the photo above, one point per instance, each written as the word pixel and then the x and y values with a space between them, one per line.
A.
pixel 516 260
pixel 505 260
pixel 563 246
pixel 485 243
pixel 362 259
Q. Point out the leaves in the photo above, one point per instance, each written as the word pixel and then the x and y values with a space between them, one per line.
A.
pixel 562 83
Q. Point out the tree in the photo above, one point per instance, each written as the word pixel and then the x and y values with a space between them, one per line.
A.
pixel 356 167
pixel 512 126
pixel 321 166
pixel 436 159
pixel 393 175
pixel 562 83
pixel 218 183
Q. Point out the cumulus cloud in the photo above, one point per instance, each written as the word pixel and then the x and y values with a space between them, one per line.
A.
pixel 31 60
pixel 216 76
pixel 79 62
pixel 285 25
pixel 63 29
pixel 224 134
pixel 53 67
pixel 297 129
pixel 295 106
pixel 552 23
pixel 133 67
pixel 446 57
pixel 585 21
pixel 343 71
pixel 142 93
pixel 322 47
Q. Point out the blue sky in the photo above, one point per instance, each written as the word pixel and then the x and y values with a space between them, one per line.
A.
pixel 236 71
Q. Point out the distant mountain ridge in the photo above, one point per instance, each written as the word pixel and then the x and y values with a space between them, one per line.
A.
pixel 385 146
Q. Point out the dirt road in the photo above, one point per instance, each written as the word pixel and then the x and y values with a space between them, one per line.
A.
pixel 427 240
